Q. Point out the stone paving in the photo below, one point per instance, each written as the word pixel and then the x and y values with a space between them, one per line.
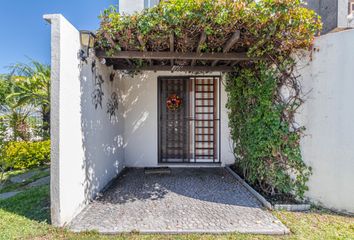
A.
pixel 40 182
pixel 198 200
pixel 7 195
pixel 23 177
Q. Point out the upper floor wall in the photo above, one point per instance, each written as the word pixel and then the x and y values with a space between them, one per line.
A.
pixel 131 6
pixel 334 13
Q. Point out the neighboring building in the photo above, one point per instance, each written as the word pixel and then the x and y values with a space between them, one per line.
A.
pixel 132 6
pixel 95 136
pixel 334 13
pixel 351 7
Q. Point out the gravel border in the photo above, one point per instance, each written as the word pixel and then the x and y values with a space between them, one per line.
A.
pixel 265 202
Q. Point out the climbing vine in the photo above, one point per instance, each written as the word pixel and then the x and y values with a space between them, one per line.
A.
pixel 262 104
pixel 264 94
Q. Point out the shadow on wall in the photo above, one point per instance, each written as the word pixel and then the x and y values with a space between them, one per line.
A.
pixel 139 101
pixel 102 126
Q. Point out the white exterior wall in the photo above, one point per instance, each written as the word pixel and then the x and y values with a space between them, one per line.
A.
pixel 328 115
pixel 130 6
pixel 343 14
pixel 86 151
pixel 141 123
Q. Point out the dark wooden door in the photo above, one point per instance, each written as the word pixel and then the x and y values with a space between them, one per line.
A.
pixel 173 124
pixel 188 131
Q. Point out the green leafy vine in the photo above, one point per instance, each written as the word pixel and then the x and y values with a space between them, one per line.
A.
pixel 263 128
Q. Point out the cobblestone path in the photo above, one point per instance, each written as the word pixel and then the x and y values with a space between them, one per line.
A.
pixel 198 200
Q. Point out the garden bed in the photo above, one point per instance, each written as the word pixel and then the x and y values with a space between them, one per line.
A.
pixel 279 202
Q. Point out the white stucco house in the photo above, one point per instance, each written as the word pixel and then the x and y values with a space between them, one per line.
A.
pixel 104 121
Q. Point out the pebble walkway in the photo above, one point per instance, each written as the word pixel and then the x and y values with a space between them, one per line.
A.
pixel 204 200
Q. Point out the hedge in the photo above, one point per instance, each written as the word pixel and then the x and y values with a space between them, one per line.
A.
pixel 23 155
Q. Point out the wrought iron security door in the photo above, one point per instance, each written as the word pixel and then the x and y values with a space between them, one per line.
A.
pixel 188 120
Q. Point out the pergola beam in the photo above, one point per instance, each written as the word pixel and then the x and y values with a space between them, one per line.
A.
pixel 178 68
pixel 234 63
pixel 176 55
pixel 202 40
pixel 129 62
pixel 172 46
pixel 142 44
pixel 231 42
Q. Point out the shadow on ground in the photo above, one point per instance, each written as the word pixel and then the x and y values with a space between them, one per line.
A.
pixel 33 204
pixel 206 184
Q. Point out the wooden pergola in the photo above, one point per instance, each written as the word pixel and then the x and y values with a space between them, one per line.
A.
pixel 196 61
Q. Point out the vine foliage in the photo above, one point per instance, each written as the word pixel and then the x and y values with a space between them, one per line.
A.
pixel 263 128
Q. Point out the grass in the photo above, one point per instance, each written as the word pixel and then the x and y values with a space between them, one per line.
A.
pixel 26 216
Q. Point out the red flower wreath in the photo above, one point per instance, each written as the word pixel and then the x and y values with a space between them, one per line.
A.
pixel 173 102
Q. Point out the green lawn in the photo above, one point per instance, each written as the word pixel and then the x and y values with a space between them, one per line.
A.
pixel 26 216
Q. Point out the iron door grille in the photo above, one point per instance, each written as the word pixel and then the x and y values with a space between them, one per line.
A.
pixel 206 119
pixel 174 130
pixel 189 134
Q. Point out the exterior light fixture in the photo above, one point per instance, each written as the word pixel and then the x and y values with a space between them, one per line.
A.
pixel 87 41
pixel 103 61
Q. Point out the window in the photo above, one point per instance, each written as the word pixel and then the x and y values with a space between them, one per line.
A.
pixel 351 8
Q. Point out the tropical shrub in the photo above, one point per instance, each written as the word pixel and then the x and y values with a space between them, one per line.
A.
pixel 24 155
pixel 31 87
pixel 25 101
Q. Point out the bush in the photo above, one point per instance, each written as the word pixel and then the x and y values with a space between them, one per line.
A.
pixel 267 140
pixel 23 155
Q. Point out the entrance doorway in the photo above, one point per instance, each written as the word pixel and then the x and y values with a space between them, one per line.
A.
pixel 189 119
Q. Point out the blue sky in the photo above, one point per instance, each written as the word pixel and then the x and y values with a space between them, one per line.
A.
pixel 24 34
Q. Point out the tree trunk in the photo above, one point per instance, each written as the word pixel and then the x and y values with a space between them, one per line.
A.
pixel 46 123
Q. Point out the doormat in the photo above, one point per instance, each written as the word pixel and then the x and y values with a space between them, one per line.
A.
pixel 157 170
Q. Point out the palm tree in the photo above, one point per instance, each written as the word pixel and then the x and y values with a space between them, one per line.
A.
pixel 12 115
pixel 31 86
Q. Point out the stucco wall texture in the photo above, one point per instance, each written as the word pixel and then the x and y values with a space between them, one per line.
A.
pixel 327 82
pixel 87 149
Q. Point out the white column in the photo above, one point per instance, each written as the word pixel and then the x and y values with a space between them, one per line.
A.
pixel 87 143
pixel 67 156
